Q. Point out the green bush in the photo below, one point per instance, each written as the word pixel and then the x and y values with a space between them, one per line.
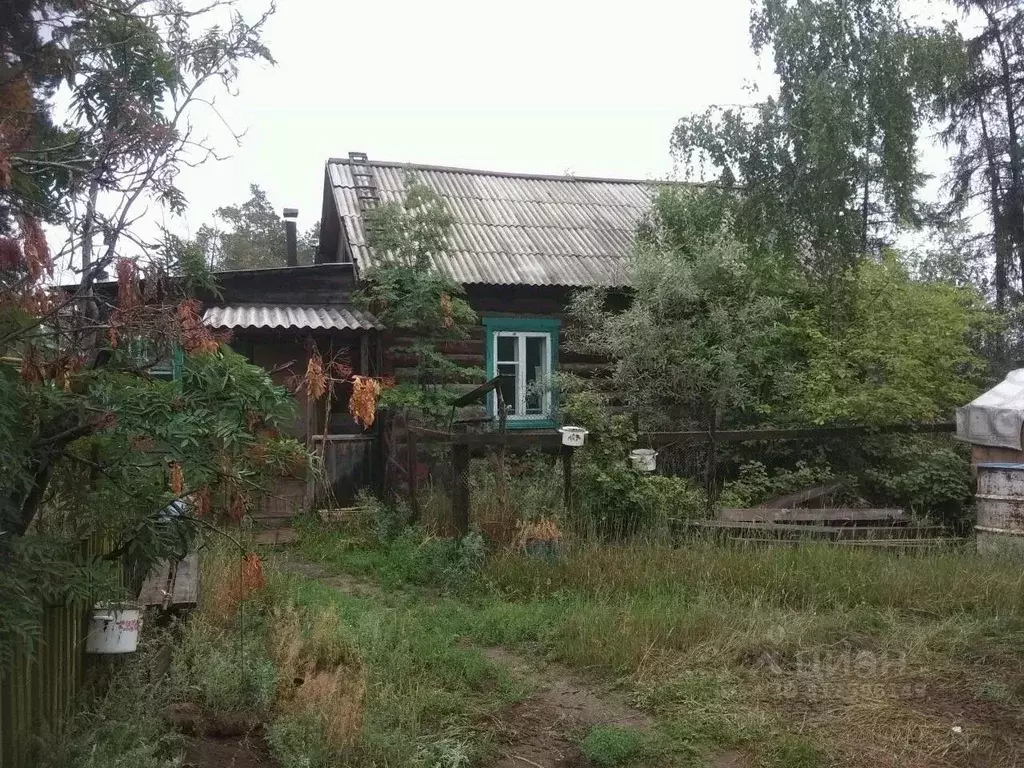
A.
pixel 755 484
pixel 123 728
pixel 927 474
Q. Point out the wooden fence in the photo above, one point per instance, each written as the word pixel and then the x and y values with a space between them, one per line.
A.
pixel 38 691
pixel 351 463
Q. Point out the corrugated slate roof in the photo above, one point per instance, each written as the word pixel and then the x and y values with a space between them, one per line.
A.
pixel 512 229
pixel 269 316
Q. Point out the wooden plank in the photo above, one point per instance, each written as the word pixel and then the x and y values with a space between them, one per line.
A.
pixel 276 536
pixel 185 592
pixel 819 531
pixel 460 487
pixel 155 586
pixel 655 439
pixel 567 451
pixel 893 545
pixel 342 515
pixel 477 394
pixel 771 515
pixel 411 459
pixel 811 493
pixel 344 438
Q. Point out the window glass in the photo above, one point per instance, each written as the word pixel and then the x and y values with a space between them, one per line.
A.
pixel 536 353
pixel 521 355
pixel 508 386
pixel 508 349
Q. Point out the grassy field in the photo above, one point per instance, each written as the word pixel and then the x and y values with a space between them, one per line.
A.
pixel 776 657
pixel 409 651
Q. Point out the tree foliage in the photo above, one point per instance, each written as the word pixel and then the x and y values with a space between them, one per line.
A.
pixel 94 438
pixel 700 341
pixel 986 121
pixel 828 166
pixel 421 306
pixel 720 334
pixel 907 351
pixel 254 236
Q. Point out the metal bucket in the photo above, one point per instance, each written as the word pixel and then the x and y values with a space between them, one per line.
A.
pixel 574 436
pixel 1000 506
pixel 113 629
pixel 644 459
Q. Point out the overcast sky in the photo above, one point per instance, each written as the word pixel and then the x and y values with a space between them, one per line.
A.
pixel 545 87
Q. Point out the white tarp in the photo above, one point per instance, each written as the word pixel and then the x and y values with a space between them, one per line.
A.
pixel 996 417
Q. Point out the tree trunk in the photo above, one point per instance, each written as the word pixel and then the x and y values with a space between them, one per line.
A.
pixel 999 235
pixel 1013 212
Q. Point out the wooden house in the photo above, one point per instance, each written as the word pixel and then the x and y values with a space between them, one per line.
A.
pixel 521 244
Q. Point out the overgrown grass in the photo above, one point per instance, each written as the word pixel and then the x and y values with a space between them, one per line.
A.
pixel 124 726
pixel 609 746
pixel 425 692
pixel 804 657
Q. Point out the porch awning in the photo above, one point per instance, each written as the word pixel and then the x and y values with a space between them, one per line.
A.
pixel 329 318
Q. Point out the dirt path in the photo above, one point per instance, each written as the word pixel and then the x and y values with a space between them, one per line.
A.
pixel 544 731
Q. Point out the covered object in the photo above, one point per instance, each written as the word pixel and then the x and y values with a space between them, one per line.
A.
pixel 995 418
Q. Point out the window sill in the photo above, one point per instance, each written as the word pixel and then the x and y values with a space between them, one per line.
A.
pixel 528 423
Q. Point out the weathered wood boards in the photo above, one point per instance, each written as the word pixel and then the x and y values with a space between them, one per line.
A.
pixel 174 584
pixel 879 517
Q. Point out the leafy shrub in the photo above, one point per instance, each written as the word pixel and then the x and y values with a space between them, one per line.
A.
pixel 756 485
pixel 923 473
pixel 123 728
pixel 613 499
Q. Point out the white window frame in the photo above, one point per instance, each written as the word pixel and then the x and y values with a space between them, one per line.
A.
pixel 520 389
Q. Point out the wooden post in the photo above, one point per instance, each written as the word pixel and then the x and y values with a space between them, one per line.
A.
pixel 460 488
pixel 711 469
pixel 567 451
pixel 410 459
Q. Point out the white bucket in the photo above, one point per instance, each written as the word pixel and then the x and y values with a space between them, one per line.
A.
pixel 644 459
pixel 113 630
pixel 574 436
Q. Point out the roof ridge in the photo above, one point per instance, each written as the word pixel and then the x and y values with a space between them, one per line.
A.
pixel 510 174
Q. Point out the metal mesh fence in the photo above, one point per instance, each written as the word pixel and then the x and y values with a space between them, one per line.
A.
pixel 504 486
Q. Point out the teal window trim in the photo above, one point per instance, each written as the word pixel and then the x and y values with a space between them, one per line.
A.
pixel 548 325
pixel 167 369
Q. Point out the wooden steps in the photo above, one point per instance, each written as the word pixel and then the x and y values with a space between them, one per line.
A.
pixel 276 536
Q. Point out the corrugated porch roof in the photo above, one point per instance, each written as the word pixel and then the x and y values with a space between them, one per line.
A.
pixel 335 318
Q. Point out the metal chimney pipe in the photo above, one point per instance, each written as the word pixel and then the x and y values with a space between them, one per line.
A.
pixel 291 235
